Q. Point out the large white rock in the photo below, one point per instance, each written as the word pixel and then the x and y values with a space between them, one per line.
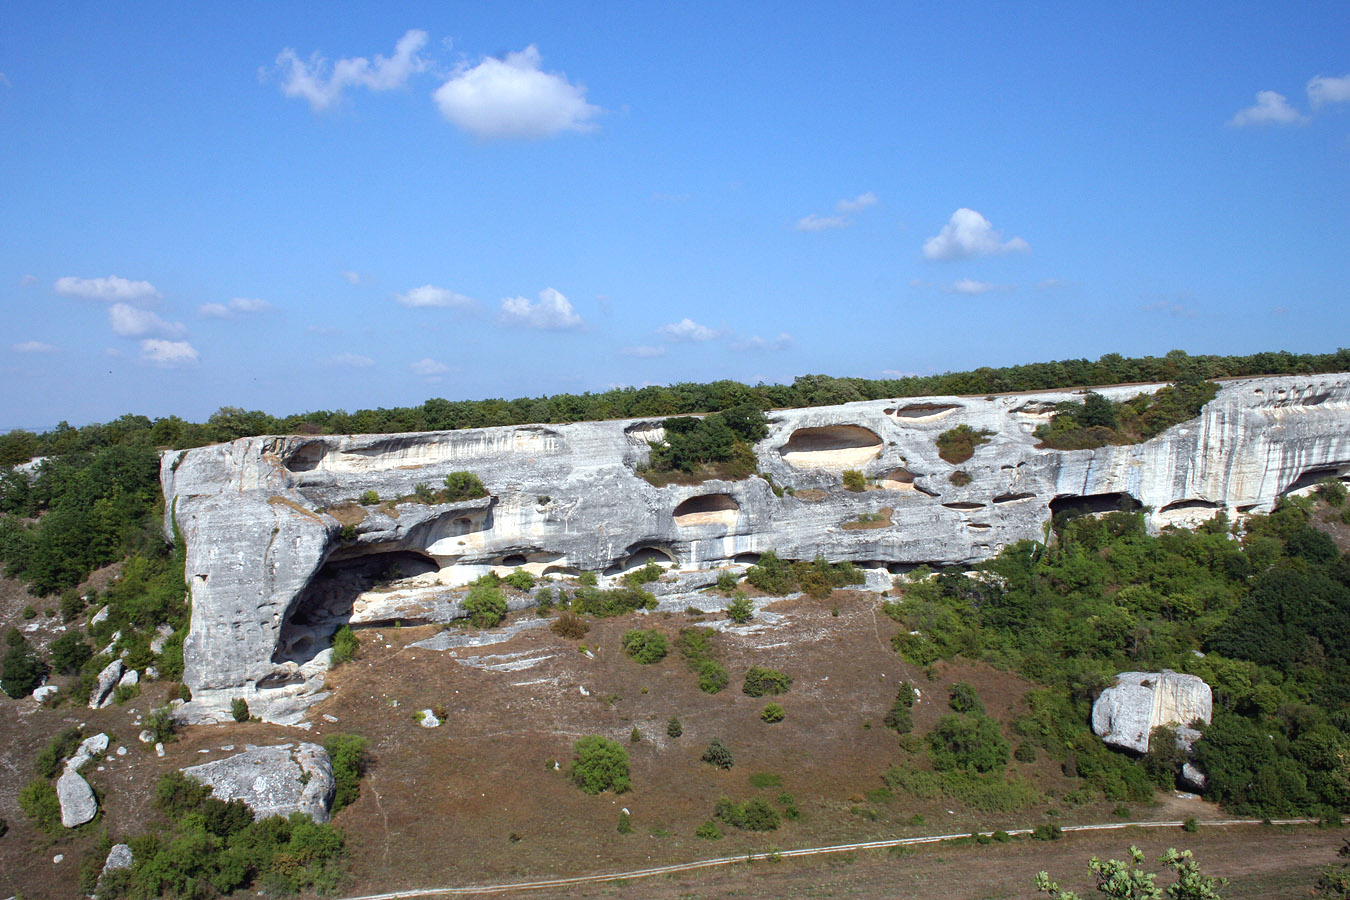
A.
pixel 273 781
pixel 78 804
pixel 119 857
pixel 1128 711
pixel 90 747
pixel 102 694
pixel 268 566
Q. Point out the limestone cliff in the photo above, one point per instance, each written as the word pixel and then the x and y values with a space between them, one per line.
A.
pixel 272 574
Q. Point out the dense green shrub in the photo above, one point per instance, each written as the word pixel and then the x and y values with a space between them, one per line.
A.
pixel 600 765
pixel 956 445
pixel 899 718
pixel 614 602
pixel 718 754
pixel 696 646
pixel 708 831
pixel 712 676
pixel 646 647
pixel 674 728
pixel 369 498
pixel 239 709
pixel 345 645
pixel 39 802
pixel 760 682
pixel 645 574
pixel 772 575
pixel 962 698
pixel 485 604
pixel 854 480
pixel 817 578
pixel 740 610
pixel 727 581
pixel 722 437
pixel 971 742
pixel 756 815
pixel 21 670
pixel 462 486
pixel 520 580
pixel 1332 490
pixel 773 714
pixel 350 759
pixel 62 745
pixel 69 653
pixel 1098 421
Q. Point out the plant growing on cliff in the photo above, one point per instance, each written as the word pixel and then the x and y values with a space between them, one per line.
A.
pixel 239 709
pixel 345 645
pixel 854 480
pixel 485 604
pixel 520 580
pixel 956 445
pixel 462 486
pixel 600 765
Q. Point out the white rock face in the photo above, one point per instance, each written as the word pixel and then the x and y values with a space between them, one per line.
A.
pixel 272 579
pixel 1126 713
pixel 129 677
pixel 273 781
pixel 78 804
pixel 102 694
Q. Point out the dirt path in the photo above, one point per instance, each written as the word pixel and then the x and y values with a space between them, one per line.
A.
pixel 776 856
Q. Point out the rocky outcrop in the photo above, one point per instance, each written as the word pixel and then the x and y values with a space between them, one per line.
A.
pixel 119 857
pixel 78 804
pixel 108 679
pixel 273 781
pixel 1128 711
pixel 280 554
pixel 89 748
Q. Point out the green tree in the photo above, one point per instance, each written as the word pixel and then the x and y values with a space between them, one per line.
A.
pixel 485 604
pixel 718 754
pixel 972 742
pixel 600 765
pixel 1122 880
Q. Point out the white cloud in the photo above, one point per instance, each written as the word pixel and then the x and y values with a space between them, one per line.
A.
pixel 1176 307
pixel 110 288
pixel 970 234
pixel 168 353
pixel 1323 90
pixel 312 80
pixel 687 330
pixel 553 312
pixel 857 204
pixel 129 321
pixel 844 210
pixel 428 296
pixel 513 98
pixel 28 279
pixel 782 342
pixel 814 222
pixel 33 347
pixel 351 276
pixel 428 368
pixel 351 361
pixel 897 373
pixel 1271 108
pixel 971 287
pixel 643 352
pixel 237 305
pixel 1054 284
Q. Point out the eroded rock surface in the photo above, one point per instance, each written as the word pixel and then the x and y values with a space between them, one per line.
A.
pixel 1128 711
pixel 273 576
pixel 78 804
pixel 273 781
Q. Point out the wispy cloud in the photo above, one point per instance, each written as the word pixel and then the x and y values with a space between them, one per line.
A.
pixel 1178 306
pixel 553 312
pixel 350 361
pixel 233 307
pixel 969 234
pixel 643 352
pixel 688 330
pixel 110 288
pixel 429 368
pixel 33 347
pixel 513 97
pixel 130 321
pixel 971 287
pixel 27 280
pixel 322 86
pixel 756 343
pixel 844 211
pixel 168 353
pixel 1271 108
pixel 429 296
pixel 1323 90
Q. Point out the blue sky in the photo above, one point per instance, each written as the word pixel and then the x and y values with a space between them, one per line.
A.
pixel 278 207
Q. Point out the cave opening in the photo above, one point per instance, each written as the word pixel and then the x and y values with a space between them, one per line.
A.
pixel 326 603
